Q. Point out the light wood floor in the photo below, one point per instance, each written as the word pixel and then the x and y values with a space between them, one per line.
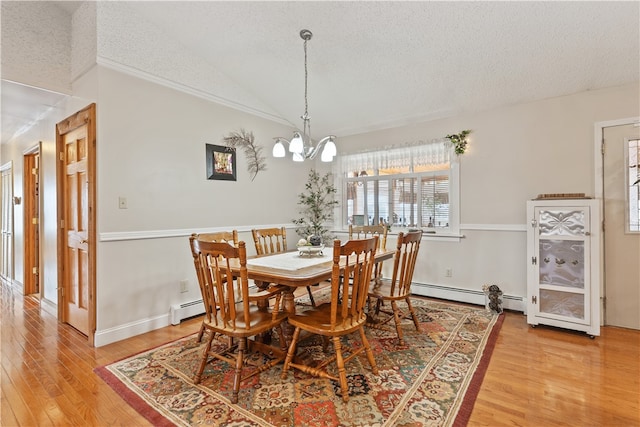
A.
pixel 536 377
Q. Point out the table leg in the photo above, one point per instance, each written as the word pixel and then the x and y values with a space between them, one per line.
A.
pixel 289 307
pixel 264 304
pixel 264 337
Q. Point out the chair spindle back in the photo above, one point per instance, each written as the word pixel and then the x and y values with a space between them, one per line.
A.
pixel 354 259
pixel 223 297
pixel 404 262
pixel 270 240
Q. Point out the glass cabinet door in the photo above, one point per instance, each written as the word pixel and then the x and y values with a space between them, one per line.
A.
pixel 562 240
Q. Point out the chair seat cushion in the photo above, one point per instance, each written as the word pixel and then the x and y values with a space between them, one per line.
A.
pixel 318 320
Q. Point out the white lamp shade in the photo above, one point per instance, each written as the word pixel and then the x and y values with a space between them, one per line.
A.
pixel 296 145
pixel 297 157
pixel 326 155
pixel 278 150
pixel 330 147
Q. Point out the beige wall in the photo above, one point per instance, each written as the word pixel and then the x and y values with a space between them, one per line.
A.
pixel 151 150
pixel 515 153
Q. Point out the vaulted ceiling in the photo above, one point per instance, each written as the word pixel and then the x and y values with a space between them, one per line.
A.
pixel 374 65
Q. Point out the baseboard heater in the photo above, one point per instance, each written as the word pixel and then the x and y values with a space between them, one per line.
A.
pixel 179 312
pixel 471 296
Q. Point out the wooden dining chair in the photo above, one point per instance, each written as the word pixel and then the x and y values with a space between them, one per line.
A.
pixel 366 231
pixel 397 288
pixel 273 241
pixel 343 315
pixel 220 236
pixel 232 238
pixel 230 312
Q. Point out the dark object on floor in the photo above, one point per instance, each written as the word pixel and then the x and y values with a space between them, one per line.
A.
pixel 495 302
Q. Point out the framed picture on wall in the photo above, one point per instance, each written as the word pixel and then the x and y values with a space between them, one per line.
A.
pixel 221 162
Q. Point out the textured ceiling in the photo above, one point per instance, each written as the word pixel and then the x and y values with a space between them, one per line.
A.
pixel 381 64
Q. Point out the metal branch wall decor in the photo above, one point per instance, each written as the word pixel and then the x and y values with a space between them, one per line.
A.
pixel 459 141
pixel 256 162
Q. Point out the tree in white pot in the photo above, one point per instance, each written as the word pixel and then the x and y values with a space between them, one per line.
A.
pixel 316 208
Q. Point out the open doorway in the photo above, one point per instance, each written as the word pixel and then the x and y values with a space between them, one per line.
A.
pixel 6 248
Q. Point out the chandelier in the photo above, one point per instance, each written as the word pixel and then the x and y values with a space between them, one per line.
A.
pixel 301 144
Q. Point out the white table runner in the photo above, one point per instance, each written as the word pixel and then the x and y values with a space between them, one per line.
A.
pixel 292 260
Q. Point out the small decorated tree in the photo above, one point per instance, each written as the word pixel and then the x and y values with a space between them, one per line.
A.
pixel 316 207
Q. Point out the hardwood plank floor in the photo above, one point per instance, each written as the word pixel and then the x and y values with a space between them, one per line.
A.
pixel 536 377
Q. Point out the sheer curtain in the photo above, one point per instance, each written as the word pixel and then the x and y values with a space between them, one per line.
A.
pixel 417 154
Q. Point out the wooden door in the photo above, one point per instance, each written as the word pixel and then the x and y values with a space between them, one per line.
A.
pixel 75 138
pixel 31 191
pixel 621 246
pixel 6 264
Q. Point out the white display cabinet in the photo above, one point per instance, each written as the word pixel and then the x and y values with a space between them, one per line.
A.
pixel 563 257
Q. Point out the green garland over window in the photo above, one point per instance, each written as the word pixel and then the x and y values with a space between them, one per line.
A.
pixel 459 141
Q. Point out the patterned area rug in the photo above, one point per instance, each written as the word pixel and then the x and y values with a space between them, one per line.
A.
pixel 431 381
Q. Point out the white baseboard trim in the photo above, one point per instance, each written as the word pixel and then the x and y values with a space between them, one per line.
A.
pixel 128 330
pixel 470 296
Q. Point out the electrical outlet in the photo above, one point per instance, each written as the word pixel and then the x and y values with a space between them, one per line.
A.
pixel 184 284
pixel 448 272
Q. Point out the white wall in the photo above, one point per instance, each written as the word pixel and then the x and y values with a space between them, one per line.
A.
pixel 515 153
pixel 151 150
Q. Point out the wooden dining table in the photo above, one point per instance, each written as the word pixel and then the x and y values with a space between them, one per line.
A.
pixel 293 270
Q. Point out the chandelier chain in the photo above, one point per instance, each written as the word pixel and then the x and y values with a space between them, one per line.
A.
pixel 306 103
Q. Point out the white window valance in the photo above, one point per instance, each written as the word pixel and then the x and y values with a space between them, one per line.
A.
pixel 418 154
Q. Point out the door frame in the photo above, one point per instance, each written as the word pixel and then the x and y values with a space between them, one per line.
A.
pixel 32 252
pixel 85 116
pixel 598 143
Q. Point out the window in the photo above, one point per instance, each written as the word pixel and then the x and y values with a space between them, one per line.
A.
pixel 414 187
pixel 632 156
